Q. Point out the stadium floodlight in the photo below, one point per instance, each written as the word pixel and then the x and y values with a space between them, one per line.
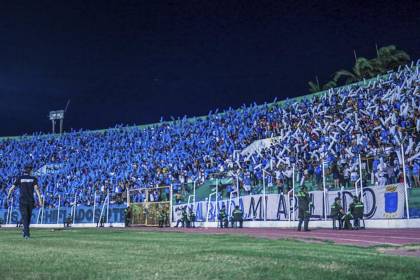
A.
pixel 58 115
pixel 54 116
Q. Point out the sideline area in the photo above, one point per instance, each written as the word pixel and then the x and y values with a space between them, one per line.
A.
pixel 151 253
pixel 366 237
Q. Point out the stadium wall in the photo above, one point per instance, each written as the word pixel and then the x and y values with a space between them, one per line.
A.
pixel 384 208
pixel 380 224
pixel 386 202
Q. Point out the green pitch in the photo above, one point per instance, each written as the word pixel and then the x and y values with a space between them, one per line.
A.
pixel 119 254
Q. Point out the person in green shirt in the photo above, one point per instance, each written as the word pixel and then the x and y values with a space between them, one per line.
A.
pixel 185 220
pixel 356 210
pixel 237 216
pixel 223 221
pixel 304 201
pixel 162 217
pixel 337 213
pixel 192 218
pixel 127 216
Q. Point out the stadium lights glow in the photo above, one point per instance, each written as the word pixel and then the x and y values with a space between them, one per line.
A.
pixel 57 115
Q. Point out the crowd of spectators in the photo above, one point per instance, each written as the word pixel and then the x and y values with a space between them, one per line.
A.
pixel 372 120
pixel 335 128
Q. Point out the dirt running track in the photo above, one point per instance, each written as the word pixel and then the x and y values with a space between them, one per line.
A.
pixel 366 237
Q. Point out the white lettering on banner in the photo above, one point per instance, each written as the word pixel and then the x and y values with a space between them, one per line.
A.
pixel 380 203
pixel 26 180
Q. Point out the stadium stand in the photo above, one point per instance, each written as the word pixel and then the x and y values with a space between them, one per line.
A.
pixel 372 119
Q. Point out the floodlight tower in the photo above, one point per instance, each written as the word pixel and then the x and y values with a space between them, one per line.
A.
pixel 54 116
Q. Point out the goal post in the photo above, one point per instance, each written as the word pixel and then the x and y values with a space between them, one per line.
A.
pixel 150 205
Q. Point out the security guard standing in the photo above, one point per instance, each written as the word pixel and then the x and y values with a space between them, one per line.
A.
pixel 68 221
pixel 337 213
pixel 185 221
pixel 101 222
pixel 166 221
pixel 223 217
pixel 304 208
pixel 192 218
pixel 161 218
pixel 356 210
pixel 179 221
pixel 127 216
pixel 27 184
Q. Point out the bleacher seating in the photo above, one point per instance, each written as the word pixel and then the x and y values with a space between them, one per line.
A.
pixel 372 119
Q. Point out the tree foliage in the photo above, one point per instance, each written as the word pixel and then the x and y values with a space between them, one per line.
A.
pixel 387 58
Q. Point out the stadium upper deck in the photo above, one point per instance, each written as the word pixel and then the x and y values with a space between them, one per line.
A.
pixel 335 126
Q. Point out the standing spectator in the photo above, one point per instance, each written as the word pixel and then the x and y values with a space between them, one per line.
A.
pixel 288 174
pixel 318 177
pixel 416 173
pixel 336 176
pixel 178 198
pixel 354 176
pixel 346 176
pixel 390 173
pixel 247 182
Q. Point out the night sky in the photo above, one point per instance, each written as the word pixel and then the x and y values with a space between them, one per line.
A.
pixel 132 62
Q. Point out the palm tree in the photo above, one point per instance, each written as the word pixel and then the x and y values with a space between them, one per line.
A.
pixel 389 58
pixel 330 84
pixel 314 87
pixel 363 68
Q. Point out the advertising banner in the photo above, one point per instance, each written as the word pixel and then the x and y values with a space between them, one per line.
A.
pixel 84 214
pixel 380 203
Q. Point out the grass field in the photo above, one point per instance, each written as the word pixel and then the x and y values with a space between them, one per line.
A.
pixel 130 254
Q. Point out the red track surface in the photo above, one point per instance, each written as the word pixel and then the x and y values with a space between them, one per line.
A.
pixel 367 237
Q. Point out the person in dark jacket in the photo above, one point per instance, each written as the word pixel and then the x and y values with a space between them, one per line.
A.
pixel 27 184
